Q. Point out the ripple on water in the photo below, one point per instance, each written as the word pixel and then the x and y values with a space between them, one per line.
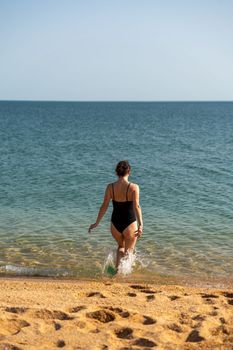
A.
pixel 54 172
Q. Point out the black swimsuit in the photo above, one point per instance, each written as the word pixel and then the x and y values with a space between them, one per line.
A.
pixel 123 212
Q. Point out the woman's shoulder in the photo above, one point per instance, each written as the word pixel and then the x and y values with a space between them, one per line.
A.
pixel 134 186
pixel 109 186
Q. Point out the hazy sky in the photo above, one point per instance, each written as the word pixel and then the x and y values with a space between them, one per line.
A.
pixel 116 50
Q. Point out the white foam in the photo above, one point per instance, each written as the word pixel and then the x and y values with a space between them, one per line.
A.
pixel 127 263
pixel 32 271
pixel 110 260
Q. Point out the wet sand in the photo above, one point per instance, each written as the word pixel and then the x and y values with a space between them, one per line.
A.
pixel 38 313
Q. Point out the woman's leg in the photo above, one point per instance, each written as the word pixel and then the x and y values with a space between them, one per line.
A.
pixel 121 244
pixel 129 235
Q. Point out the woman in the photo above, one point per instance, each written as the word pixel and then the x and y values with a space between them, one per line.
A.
pixel 126 220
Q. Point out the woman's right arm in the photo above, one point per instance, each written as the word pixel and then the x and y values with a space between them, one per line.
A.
pixel 138 210
pixel 102 209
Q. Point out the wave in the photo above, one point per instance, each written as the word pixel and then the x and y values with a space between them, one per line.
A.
pixel 32 271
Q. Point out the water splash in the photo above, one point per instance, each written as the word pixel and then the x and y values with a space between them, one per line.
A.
pixel 131 260
pixel 109 264
pixel 127 263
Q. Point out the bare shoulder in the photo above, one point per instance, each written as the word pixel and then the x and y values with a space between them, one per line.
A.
pixel 108 187
pixel 134 187
pixel 107 195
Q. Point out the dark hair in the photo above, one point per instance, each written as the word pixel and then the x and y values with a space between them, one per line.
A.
pixel 122 168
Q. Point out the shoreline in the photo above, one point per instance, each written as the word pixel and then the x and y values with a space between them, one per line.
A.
pixel 194 282
pixel 40 313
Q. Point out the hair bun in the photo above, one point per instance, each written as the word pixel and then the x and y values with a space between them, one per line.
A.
pixel 122 168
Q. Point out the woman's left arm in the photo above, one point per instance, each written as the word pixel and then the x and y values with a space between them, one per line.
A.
pixel 102 209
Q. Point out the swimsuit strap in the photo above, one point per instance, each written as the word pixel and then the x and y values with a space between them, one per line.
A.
pixel 113 192
pixel 127 192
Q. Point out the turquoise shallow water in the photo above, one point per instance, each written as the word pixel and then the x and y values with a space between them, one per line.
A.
pixel 57 157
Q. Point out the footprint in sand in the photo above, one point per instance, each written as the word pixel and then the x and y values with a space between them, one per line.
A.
pixel 142 289
pixel 77 308
pixel 203 295
pixel 119 311
pixel 137 286
pixel 198 318
pixel 124 333
pixel 144 342
pixel 95 294
pixel 208 301
pixel 228 295
pixel 194 337
pixel 57 326
pixel 148 320
pixel 175 327
pixel 130 294
pixel 16 309
pixel 47 314
pixel 150 297
pixel 147 291
pixel 60 343
pixel 102 316
pixel 173 297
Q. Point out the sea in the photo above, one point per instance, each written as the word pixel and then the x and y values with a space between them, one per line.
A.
pixel 58 157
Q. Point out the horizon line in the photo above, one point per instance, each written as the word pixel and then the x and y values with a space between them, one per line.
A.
pixel 117 101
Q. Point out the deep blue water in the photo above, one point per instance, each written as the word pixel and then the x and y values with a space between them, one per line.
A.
pixel 58 157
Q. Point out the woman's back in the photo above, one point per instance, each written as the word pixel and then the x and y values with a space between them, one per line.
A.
pixel 123 210
pixel 122 191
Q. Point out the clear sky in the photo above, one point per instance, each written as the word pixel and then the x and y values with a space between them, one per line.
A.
pixel 116 50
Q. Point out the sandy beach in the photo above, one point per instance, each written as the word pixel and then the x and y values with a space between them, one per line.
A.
pixel 50 314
